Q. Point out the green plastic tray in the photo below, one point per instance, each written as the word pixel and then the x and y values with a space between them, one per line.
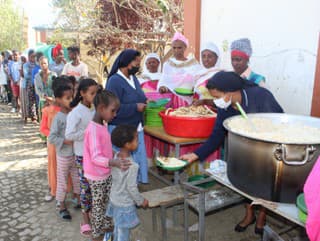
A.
pixel 201 177
pixel 302 207
pixel 301 203
pixel 158 103
pixel 183 91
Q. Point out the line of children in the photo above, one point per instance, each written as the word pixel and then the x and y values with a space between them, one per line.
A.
pixel 83 132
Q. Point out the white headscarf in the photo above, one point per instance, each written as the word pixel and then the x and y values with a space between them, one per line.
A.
pixel 146 75
pixel 204 74
pixel 213 48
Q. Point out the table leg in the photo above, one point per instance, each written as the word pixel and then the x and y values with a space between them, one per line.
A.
pixel 176 181
pixel 202 216
pixel 177 154
pixel 154 220
pixel 186 216
pixel 163 222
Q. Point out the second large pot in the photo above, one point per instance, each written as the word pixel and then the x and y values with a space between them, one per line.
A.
pixel 270 170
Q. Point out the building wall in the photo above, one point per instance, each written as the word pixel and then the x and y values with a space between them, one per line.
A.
pixel 284 35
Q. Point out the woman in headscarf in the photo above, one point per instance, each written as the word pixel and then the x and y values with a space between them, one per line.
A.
pixel 241 52
pixel 210 60
pixel 125 85
pixel 28 99
pixel 58 60
pixel 151 73
pixel 179 72
pixel 228 88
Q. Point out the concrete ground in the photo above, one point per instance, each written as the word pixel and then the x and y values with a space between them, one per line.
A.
pixel 25 216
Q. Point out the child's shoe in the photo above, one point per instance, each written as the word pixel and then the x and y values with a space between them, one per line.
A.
pixel 65 215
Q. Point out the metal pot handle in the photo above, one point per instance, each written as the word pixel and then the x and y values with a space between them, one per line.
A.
pixel 280 154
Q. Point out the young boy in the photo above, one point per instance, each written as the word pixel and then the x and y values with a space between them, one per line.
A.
pixel 65 157
pixel 14 76
pixel 124 193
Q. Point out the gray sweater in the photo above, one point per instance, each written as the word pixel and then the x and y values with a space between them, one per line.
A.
pixel 124 189
pixel 77 122
pixel 57 135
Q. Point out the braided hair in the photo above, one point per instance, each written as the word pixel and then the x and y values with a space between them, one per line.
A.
pixel 84 85
pixel 104 97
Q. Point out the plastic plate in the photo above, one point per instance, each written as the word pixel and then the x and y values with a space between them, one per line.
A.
pixel 183 91
pixel 158 103
pixel 159 164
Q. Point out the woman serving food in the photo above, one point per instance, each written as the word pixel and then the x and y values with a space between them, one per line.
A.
pixel 227 89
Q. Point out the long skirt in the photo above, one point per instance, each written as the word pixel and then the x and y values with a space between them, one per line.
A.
pixel 31 106
pixel 23 102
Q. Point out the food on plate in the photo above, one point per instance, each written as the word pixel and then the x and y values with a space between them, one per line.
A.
pixel 171 162
pixel 268 130
pixel 192 111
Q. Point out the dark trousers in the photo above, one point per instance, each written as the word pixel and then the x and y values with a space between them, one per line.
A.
pixel 9 92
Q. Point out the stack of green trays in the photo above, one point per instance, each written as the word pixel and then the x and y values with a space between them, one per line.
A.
pixel 152 117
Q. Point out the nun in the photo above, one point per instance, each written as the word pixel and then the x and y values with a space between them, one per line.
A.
pixel 122 81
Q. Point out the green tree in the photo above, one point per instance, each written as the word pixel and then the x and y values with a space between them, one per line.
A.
pixel 76 16
pixel 11 30
pixel 107 26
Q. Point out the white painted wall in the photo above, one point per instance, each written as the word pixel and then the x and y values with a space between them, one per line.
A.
pixel 284 36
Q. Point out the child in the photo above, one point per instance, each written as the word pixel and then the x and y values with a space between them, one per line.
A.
pixel 43 84
pixel 14 76
pixel 48 114
pixel 77 122
pixel 124 191
pixel 97 160
pixel 65 158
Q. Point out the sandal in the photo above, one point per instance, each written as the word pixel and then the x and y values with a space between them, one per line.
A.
pixel 65 215
pixel 240 229
pixel 85 230
pixel 48 197
pixel 75 203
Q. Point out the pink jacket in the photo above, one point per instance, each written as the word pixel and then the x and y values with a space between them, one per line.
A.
pixel 97 152
pixel 312 198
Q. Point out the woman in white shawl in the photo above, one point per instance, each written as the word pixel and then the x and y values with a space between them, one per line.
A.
pixel 179 72
pixel 210 60
pixel 151 73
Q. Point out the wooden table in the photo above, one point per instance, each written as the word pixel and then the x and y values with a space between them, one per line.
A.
pixel 159 133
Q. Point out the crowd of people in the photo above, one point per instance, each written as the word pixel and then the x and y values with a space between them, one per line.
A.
pixel 96 146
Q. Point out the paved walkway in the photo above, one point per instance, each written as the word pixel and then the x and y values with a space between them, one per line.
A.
pixel 23 181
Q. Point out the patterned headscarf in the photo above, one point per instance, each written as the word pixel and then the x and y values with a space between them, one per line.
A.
pixel 241 47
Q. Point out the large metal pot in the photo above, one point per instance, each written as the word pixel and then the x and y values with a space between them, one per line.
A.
pixel 270 170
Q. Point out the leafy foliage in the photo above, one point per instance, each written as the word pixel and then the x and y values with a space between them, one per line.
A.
pixel 11 30
pixel 111 25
